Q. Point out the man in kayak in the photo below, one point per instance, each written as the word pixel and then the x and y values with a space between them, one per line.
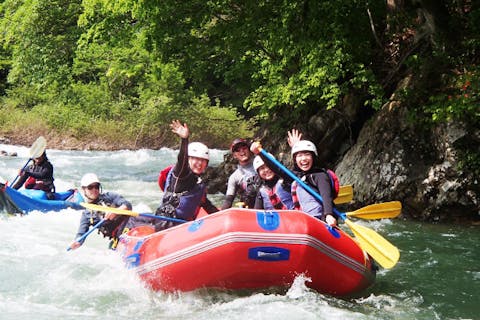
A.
pixel 39 176
pixel 244 181
pixel 113 225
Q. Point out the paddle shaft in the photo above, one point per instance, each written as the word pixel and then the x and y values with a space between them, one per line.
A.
pixel 86 234
pixel 26 164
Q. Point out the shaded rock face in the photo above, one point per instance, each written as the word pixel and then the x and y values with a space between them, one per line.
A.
pixel 335 131
pixel 396 160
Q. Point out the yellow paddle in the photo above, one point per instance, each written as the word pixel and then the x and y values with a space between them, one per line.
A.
pixel 96 207
pixel 385 253
pixel 381 250
pixel 383 210
pixel 345 195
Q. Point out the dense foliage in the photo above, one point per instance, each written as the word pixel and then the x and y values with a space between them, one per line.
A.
pixel 224 65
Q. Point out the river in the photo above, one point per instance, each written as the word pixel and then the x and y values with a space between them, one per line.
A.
pixel 437 277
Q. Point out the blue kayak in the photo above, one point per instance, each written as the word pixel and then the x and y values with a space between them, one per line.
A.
pixel 27 200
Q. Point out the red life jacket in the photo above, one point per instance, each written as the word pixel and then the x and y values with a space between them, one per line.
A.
pixel 334 182
pixel 162 176
pixel 275 199
pixel 296 203
pixel 30 183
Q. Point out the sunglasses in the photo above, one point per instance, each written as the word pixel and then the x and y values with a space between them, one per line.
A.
pixel 93 186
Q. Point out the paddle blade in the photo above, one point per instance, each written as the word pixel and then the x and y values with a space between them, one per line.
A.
pixel 385 253
pixel 96 207
pixel 345 195
pixel 38 147
pixel 36 150
pixel 383 210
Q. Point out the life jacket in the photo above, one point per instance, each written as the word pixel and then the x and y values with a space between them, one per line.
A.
pixel 113 228
pixel 44 184
pixel 276 197
pixel 252 185
pixel 184 205
pixel 37 184
pixel 30 183
pixel 309 203
pixel 110 229
pixel 162 176
pixel 334 182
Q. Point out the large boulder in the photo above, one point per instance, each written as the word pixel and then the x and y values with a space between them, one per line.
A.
pixel 395 158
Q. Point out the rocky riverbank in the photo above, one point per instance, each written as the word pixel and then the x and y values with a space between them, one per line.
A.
pixel 59 142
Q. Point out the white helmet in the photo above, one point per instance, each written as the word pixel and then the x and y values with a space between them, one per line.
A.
pixel 257 162
pixel 304 145
pixel 199 150
pixel 88 179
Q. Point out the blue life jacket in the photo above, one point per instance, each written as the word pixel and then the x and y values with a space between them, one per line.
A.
pixel 185 204
pixel 307 203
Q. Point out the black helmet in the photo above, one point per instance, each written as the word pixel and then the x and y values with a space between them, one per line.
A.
pixel 237 143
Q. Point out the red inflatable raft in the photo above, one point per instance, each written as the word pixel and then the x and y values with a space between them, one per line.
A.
pixel 248 249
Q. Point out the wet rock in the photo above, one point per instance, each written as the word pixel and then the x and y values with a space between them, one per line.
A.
pixel 4 153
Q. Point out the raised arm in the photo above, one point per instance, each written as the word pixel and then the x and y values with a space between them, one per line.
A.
pixel 181 168
pixel 293 137
pixel 180 129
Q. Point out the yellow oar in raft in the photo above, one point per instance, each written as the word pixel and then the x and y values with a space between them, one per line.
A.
pixel 345 195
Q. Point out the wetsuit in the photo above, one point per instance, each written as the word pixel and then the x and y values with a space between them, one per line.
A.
pixel 89 218
pixel 244 182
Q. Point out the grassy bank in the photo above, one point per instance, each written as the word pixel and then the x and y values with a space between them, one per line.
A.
pixel 76 131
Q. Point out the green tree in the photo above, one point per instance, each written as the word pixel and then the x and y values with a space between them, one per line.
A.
pixel 41 36
pixel 272 54
pixel 143 63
